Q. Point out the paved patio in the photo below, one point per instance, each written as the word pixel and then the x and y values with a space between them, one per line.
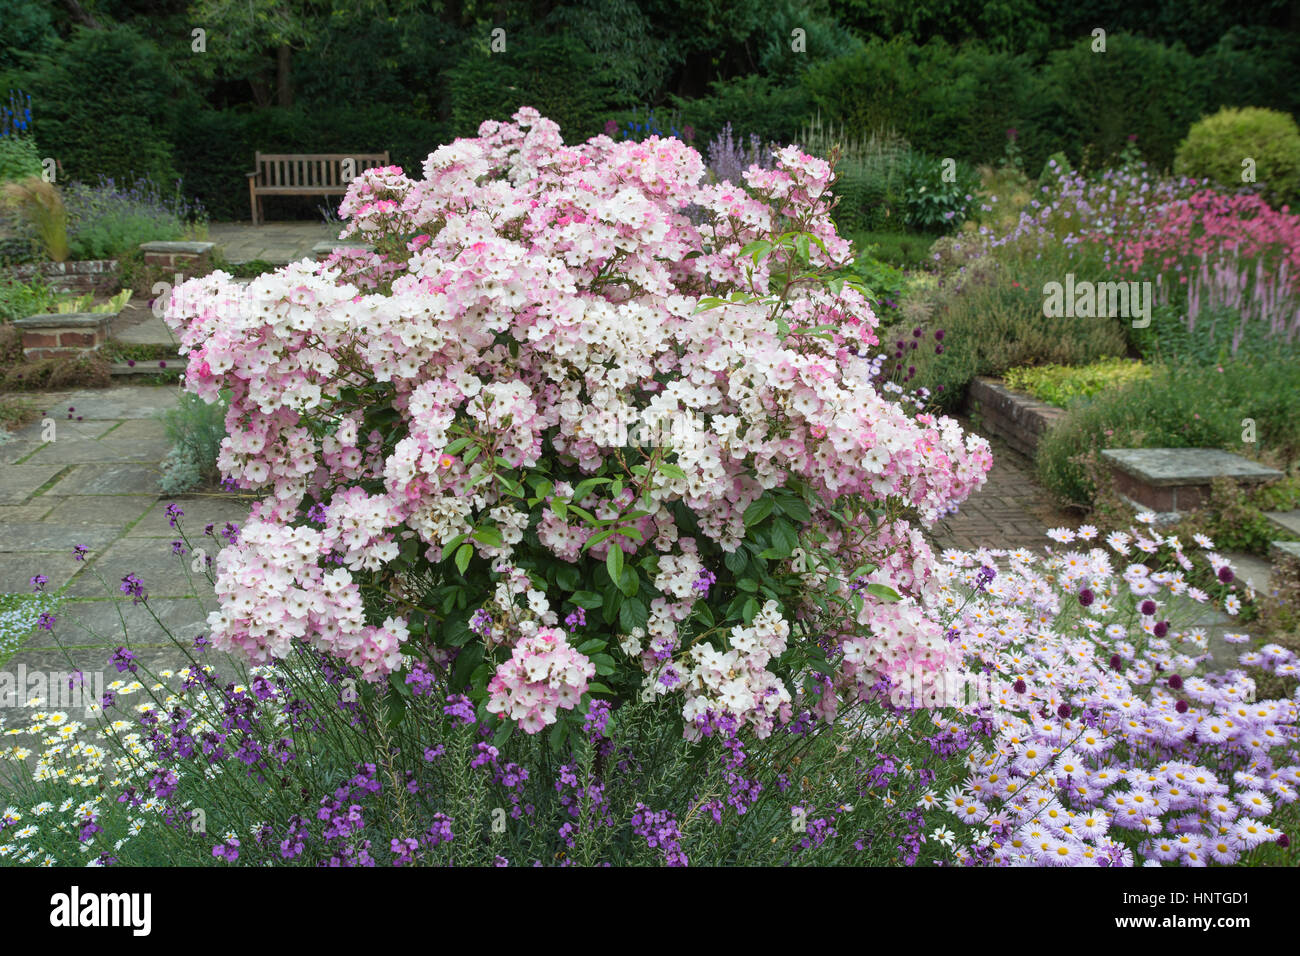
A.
pixel 277 242
pixel 96 485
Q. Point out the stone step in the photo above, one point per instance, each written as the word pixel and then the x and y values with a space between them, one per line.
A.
pixel 1252 570
pixel 1286 520
pixel 1280 550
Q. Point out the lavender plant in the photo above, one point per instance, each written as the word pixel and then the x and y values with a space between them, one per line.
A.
pixel 107 220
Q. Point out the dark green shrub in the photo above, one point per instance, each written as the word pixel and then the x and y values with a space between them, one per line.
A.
pixel 558 76
pixel 103 106
pixel 751 104
pixel 1217 146
pixel 1138 86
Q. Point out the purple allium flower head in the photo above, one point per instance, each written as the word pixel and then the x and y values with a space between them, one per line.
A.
pixel 1086 597
pixel 1225 574
pixel 1147 607
pixel 1175 682
pixel 1161 628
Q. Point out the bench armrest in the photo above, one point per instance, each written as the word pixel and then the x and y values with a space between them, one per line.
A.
pixel 251 175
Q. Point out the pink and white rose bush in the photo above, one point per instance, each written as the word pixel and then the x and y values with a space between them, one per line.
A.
pixel 439 428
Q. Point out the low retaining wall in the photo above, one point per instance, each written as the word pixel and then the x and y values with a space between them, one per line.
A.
pixel 82 276
pixel 1017 418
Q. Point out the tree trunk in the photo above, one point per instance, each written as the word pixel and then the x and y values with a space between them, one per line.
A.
pixel 283 80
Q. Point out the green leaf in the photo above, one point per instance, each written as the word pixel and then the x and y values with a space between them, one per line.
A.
pixel 596 687
pixel 588 600
pixel 591 646
pixel 797 509
pixel 463 554
pixel 560 507
pixel 567 577
pixel 883 592
pixel 750 610
pixel 759 510
pixel 671 470
pixel 456 446
pixel 628 582
pixel 452 545
pixel 468 659
pixel 747 584
pixel 614 562
pixel 631 614
pixel 456 632
pixel 557 736
pixel 503 733
pixel 488 535
pixel 736 561
pixel 394 709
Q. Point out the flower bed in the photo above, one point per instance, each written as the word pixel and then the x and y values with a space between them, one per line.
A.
pixel 725 621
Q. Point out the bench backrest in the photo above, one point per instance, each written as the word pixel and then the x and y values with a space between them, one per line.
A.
pixel 312 170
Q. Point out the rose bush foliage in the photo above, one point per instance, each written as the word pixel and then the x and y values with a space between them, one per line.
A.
pixel 551 434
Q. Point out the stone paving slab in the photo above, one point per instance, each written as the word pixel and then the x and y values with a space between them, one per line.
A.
pixel 54 536
pixel 115 403
pixel 139 429
pixel 65 429
pixel 1286 548
pixel 277 242
pixel 119 479
pixel 103 450
pixel 19 482
pixel 77 510
pixel 35 511
pixel 114 622
pixel 197 512
pixel 137 325
pixel 1252 570
pixel 151 559
pixel 17 569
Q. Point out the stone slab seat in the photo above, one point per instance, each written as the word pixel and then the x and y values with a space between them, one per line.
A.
pixel 1171 480
pixel 50 335
pixel 175 254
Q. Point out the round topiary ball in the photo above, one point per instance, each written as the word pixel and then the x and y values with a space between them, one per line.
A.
pixel 1247 146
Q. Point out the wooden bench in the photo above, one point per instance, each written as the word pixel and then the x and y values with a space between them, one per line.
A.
pixel 304 174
